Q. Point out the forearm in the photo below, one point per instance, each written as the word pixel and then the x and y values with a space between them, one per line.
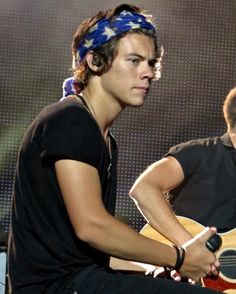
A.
pixel 117 239
pixel 156 209
pixel 123 242
pixel 147 193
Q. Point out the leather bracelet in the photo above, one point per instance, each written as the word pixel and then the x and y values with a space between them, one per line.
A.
pixel 180 257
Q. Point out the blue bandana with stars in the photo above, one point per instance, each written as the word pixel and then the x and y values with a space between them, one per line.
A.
pixel 104 30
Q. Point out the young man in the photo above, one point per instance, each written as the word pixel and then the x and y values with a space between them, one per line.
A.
pixel 207 191
pixel 199 176
pixel 63 226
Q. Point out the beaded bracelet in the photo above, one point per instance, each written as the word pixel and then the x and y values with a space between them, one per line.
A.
pixel 180 257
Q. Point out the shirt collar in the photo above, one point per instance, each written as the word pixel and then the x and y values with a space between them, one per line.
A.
pixel 226 141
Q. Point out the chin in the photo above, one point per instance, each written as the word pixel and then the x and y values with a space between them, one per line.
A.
pixel 138 102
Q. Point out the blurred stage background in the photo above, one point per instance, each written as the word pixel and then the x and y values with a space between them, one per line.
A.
pixel 199 68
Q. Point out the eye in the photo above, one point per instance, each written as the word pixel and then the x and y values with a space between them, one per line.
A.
pixel 135 61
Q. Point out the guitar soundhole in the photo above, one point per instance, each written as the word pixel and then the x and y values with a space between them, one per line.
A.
pixel 228 263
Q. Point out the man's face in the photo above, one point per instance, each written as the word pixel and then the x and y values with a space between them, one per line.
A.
pixel 129 77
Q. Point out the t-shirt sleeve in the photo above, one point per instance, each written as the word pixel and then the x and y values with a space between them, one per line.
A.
pixel 75 137
pixel 188 155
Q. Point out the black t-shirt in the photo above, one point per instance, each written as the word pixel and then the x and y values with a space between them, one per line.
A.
pixel 43 246
pixel 208 193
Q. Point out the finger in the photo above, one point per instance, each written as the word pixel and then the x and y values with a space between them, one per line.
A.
pixel 217 264
pixel 159 272
pixel 204 235
pixel 190 281
pixel 197 279
pixel 214 270
pixel 207 233
pixel 175 276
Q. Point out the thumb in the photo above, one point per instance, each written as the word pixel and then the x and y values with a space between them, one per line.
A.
pixel 206 234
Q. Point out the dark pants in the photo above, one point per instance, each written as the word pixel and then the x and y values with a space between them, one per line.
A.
pixel 100 281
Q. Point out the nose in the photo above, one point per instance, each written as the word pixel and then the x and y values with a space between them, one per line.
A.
pixel 147 71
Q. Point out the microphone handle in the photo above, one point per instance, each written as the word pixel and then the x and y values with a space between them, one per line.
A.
pixel 214 242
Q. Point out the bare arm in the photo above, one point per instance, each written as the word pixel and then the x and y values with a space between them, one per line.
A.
pixel 147 192
pixel 81 191
pixel 80 186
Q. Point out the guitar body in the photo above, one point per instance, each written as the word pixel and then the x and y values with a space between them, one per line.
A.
pixel 226 281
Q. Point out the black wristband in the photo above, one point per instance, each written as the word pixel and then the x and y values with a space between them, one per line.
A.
pixel 180 252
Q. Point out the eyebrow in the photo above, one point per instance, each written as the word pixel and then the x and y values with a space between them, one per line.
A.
pixel 151 61
pixel 142 57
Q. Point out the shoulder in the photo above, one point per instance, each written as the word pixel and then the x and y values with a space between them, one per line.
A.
pixel 63 112
pixel 62 119
pixel 194 153
pixel 198 145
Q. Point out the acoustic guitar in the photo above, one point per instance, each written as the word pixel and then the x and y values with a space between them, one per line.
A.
pixel 226 281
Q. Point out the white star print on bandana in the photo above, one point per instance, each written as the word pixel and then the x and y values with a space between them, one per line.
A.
pixel 104 30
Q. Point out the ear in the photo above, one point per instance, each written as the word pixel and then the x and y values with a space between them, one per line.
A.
pixel 93 61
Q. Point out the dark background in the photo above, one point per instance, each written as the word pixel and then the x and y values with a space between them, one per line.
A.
pixel 199 69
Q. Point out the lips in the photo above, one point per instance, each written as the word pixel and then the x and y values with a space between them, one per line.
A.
pixel 142 89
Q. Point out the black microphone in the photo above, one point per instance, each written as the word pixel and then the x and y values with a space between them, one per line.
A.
pixel 214 242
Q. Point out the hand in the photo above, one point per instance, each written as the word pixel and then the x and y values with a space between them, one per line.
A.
pixel 162 272
pixel 199 261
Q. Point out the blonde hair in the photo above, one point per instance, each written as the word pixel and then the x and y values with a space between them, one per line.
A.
pixel 229 109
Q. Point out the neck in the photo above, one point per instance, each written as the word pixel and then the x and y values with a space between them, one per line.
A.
pixel 104 103
pixel 89 105
pixel 102 109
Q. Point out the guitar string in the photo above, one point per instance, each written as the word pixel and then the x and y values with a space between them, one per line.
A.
pixel 229 260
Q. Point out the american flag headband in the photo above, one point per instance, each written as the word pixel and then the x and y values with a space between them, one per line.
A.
pixel 105 30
